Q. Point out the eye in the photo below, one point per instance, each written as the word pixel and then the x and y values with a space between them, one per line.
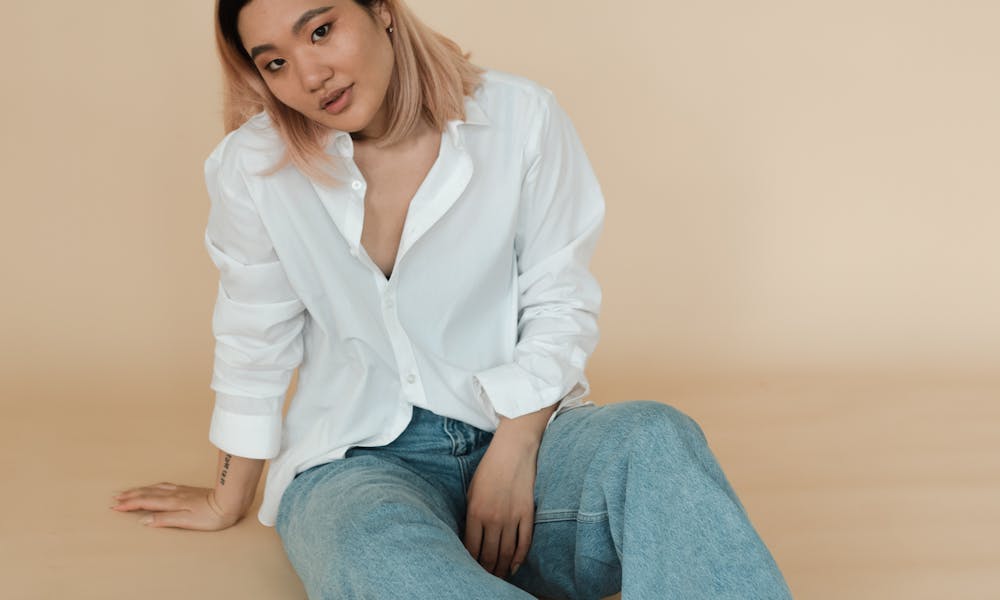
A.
pixel 322 31
pixel 268 65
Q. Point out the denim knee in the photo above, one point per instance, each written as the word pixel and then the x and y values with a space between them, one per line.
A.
pixel 663 422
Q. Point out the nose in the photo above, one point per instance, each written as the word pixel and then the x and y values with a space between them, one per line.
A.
pixel 314 71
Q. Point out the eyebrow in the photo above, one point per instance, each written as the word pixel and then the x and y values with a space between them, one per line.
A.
pixel 296 28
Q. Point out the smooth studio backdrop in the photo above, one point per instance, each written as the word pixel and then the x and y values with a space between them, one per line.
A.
pixel 801 251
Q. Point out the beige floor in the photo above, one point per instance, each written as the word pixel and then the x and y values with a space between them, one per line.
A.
pixel 862 488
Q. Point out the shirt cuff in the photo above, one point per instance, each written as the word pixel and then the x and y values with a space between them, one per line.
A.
pixel 249 436
pixel 507 390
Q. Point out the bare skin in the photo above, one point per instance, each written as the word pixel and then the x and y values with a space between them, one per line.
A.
pixel 201 508
pixel 393 174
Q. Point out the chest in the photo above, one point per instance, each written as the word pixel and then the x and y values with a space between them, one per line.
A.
pixel 393 180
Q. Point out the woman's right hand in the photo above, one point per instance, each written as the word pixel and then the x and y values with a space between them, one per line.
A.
pixel 180 506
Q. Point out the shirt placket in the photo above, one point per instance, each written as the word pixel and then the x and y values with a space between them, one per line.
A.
pixel 402 349
pixel 428 205
pixel 410 385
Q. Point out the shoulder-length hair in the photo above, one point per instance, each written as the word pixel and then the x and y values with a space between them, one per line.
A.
pixel 429 82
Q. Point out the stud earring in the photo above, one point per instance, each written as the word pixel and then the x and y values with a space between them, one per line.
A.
pixel 389 29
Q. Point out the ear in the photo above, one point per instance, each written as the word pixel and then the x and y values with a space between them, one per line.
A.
pixel 382 12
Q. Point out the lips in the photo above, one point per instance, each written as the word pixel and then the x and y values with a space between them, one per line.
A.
pixel 332 96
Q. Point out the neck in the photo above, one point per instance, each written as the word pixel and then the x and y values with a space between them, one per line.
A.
pixel 422 130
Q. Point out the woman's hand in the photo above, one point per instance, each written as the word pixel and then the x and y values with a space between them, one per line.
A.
pixel 180 506
pixel 501 505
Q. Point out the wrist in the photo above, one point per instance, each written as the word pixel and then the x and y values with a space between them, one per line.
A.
pixel 523 439
pixel 526 429
pixel 227 506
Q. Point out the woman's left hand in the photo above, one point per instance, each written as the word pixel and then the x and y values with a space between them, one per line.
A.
pixel 501 504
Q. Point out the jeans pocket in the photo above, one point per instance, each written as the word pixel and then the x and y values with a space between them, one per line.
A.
pixel 561 411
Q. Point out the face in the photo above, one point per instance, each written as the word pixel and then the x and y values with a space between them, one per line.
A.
pixel 307 50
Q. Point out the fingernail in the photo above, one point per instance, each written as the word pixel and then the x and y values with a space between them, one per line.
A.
pixel 515 568
pixel 146 520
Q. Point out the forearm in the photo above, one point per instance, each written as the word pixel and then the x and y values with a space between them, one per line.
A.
pixel 236 482
pixel 526 428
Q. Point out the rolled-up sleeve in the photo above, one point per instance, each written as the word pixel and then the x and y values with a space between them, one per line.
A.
pixel 257 322
pixel 561 216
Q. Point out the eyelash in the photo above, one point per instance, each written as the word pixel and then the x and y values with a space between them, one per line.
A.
pixel 328 26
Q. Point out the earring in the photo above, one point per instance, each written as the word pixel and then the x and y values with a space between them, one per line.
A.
pixel 389 29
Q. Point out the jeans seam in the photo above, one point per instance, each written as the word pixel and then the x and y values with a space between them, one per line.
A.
pixel 454 442
pixel 549 516
pixel 462 471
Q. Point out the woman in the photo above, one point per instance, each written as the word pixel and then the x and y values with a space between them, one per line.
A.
pixel 412 233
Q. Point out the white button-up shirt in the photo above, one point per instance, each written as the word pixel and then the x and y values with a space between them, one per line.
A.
pixel 490 308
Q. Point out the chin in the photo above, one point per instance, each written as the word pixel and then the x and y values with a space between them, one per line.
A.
pixel 344 122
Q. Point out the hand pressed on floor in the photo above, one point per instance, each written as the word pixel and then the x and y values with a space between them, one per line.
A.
pixel 181 506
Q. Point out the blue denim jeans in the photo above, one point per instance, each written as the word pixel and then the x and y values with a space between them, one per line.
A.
pixel 628 497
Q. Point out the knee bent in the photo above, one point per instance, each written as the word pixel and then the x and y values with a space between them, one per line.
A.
pixel 663 421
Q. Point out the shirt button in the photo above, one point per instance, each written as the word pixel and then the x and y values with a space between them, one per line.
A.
pixel 411 378
pixel 356 184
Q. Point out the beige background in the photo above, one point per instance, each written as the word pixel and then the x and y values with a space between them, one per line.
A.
pixel 801 252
